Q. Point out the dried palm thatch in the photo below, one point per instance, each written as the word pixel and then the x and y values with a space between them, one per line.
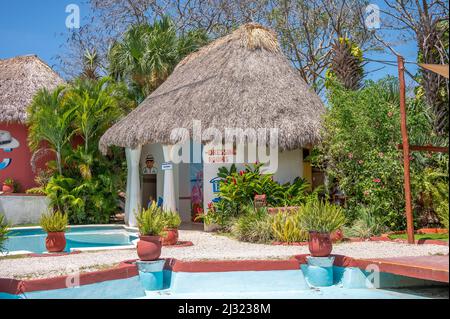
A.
pixel 242 80
pixel 20 78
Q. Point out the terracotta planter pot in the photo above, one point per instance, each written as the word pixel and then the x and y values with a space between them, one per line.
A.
pixel 171 237
pixel 320 244
pixel 7 189
pixel 55 242
pixel 149 247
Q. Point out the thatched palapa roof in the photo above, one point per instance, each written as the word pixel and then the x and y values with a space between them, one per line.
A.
pixel 241 80
pixel 20 78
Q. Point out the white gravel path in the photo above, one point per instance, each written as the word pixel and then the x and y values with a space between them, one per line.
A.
pixel 206 246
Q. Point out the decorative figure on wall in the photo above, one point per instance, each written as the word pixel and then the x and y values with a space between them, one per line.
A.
pixel 196 194
pixel 7 143
pixel 150 167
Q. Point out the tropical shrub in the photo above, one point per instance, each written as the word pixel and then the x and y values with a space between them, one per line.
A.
pixel 366 225
pixel 171 219
pixel 239 188
pixel 359 149
pixel 54 222
pixel 253 225
pixel 431 187
pixel 50 120
pixel 84 184
pixel 215 214
pixel 321 216
pixel 286 227
pixel 151 221
pixel 3 231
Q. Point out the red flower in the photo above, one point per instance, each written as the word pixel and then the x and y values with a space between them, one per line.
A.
pixel 234 181
pixel 350 155
pixel 390 114
pixel 376 180
pixel 241 173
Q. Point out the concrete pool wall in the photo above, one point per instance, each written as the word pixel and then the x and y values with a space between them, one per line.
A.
pixel 23 208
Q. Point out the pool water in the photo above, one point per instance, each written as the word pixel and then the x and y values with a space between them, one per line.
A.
pixel 33 239
pixel 275 284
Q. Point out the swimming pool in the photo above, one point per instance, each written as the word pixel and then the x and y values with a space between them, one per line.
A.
pixel 274 284
pixel 32 239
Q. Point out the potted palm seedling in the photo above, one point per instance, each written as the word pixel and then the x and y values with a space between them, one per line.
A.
pixel 55 224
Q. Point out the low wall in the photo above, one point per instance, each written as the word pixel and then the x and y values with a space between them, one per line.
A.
pixel 22 208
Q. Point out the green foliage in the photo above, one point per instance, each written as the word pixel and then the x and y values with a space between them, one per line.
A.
pixel 50 119
pixel 286 227
pixel 89 201
pixel 171 219
pixel 86 184
pixel 431 185
pixel 151 221
pixel 217 213
pixel 3 231
pixel 147 54
pixel 253 225
pixel 366 225
pixel 54 222
pixel 359 150
pixel 239 189
pixel 321 216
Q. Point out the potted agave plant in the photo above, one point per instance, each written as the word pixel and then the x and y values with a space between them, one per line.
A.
pixel 151 226
pixel 8 186
pixel 320 219
pixel 172 221
pixel 55 224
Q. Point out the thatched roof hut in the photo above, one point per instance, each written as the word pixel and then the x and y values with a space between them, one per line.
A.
pixel 241 80
pixel 20 78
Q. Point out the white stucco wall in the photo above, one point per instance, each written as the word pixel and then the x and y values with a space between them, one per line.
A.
pixel 25 209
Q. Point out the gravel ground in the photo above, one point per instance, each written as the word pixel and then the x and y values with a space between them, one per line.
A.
pixel 206 246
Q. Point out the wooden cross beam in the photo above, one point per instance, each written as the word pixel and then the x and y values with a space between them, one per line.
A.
pixel 425 148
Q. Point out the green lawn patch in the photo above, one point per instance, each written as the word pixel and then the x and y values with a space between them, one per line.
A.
pixel 421 236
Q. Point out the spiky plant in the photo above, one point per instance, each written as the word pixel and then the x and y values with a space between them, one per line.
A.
pixel 3 231
pixel 347 64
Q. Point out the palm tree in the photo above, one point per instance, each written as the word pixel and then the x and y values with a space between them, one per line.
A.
pixel 147 54
pixel 96 108
pixel 91 64
pixel 50 120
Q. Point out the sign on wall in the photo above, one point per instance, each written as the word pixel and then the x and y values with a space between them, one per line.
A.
pixel 7 144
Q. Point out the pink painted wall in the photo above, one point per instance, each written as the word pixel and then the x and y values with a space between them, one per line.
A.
pixel 20 168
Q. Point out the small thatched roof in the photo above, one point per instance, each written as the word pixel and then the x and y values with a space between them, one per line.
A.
pixel 241 80
pixel 20 78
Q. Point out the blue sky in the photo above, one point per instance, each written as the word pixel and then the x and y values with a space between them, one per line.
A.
pixel 36 27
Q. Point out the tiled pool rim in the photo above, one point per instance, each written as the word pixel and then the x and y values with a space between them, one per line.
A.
pixel 180 244
pixel 128 269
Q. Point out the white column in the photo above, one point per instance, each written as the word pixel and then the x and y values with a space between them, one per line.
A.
pixel 133 203
pixel 127 198
pixel 169 202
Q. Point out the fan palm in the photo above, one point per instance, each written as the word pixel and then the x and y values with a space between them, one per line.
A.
pixel 147 54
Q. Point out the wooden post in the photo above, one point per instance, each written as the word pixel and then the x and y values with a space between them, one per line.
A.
pixel 408 205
